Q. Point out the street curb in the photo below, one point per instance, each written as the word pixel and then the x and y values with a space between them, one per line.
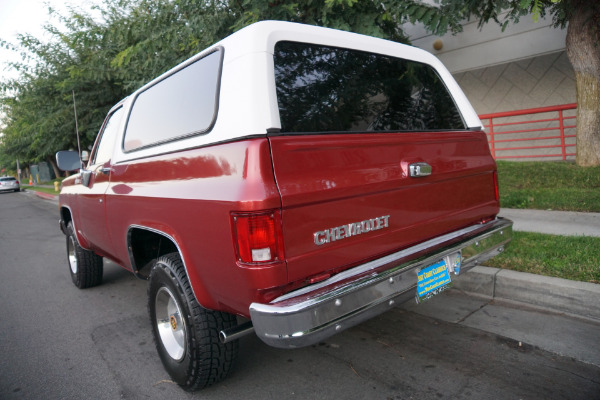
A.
pixel 563 295
pixel 46 196
pixel 42 195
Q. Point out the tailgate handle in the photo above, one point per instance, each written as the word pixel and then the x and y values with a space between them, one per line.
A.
pixel 420 169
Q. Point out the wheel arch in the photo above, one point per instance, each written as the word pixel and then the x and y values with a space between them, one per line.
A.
pixel 66 216
pixel 146 244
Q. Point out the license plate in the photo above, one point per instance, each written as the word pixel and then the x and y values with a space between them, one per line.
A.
pixel 435 278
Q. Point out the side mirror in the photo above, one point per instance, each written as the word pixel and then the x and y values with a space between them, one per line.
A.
pixel 68 160
pixel 86 177
pixel 85 156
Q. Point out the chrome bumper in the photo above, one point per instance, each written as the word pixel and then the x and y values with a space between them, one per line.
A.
pixel 312 314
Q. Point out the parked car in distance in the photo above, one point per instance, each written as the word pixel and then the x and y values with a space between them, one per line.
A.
pixel 9 183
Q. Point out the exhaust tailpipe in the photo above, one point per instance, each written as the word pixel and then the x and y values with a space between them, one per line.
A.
pixel 231 334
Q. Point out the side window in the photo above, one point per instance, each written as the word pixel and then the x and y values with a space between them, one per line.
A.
pixel 107 138
pixel 328 89
pixel 181 105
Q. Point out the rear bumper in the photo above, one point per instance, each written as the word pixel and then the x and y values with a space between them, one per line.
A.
pixel 309 315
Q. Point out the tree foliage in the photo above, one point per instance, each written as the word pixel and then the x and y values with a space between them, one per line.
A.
pixel 504 12
pixel 582 19
pixel 100 60
pixel 105 53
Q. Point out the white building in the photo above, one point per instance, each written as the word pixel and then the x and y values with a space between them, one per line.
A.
pixel 525 66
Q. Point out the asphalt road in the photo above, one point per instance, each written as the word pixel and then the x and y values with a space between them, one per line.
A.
pixel 59 342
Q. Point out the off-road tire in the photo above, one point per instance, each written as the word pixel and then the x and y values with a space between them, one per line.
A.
pixel 199 359
pixel 85 267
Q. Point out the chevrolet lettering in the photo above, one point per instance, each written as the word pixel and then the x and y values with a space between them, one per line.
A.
pixel 210 180
pixel 349 230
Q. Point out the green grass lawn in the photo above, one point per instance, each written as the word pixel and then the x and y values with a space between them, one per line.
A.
pixel 569 257
pixel 39 189
pixel 549 186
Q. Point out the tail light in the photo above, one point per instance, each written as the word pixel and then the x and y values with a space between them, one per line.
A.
pixel 258 237
pixel 496 191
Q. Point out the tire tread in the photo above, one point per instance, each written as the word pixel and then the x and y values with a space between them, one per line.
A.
pixel 89 265
pixel 210 361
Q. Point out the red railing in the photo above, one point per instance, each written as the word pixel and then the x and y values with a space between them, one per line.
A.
pixel 534 135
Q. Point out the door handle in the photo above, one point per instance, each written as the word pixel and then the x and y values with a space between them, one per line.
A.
pixel 419 170
pixel 105 171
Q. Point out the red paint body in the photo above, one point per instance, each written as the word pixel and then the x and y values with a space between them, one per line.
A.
pixel 316 181
pixel 331 180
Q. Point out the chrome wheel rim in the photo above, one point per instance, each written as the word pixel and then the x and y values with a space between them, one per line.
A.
pixel 170 324
pixel 71 255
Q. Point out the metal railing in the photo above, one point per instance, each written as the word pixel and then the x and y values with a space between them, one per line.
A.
pixel 532 133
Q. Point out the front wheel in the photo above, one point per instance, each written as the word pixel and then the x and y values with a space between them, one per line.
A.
pixel 185 333
pixel 85 266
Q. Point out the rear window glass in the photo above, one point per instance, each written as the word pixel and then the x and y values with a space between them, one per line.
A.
pixel 181 105
pixel 327 89
pixel 7 179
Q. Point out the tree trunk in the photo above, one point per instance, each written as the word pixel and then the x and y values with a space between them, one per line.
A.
pixel 54 166
pixel 583 50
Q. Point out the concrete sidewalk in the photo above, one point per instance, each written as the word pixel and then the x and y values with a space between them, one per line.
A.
pixel 554 222
pixel 557 315
pixel 548 329
pixel 556 294
pixel 559 295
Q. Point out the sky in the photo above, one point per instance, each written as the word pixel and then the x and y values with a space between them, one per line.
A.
pixel 25 16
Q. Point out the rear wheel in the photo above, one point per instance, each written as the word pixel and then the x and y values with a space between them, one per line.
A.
pixel 85 267
pixel 186 334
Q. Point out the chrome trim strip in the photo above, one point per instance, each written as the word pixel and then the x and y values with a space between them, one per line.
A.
pixel 153 230
pixel 311 314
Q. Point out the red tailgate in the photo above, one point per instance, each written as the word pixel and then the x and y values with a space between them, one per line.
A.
pixel 348 198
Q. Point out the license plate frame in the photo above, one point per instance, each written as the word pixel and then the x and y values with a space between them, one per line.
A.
pixel 435 278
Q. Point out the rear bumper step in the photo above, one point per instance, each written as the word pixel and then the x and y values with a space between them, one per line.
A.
pixel 312 314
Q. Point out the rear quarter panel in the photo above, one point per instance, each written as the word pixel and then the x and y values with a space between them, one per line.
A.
pixel 189 196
